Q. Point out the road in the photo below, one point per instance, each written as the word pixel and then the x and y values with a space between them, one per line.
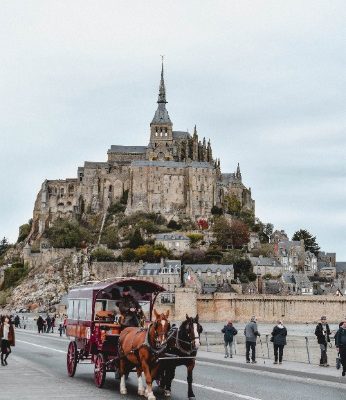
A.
pixel 37 367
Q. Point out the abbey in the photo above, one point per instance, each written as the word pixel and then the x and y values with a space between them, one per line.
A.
pixel 175 175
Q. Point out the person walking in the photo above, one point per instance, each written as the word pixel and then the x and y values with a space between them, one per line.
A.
pixel 340 344
pixel 279 341
pixel 229 332
pixel 40 324
pixel 53 323
pixel 48 323
pixel 322 333
pixel 7 339
pixel 251 333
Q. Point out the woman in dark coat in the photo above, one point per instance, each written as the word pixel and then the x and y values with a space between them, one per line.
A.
pixel 340 344
pixel 279 341
pixel 40 323
pixel 7 339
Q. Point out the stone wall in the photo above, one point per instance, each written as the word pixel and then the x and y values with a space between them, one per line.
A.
pixel 292 309
pixel 106 270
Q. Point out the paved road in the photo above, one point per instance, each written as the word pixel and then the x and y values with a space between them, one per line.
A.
pixel 37 368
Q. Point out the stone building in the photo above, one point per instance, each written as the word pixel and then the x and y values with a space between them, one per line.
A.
pixel 175 242
pixel 167 273
pixel 175 175
pixel 266 265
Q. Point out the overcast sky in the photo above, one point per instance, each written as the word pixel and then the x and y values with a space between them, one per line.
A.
pixel 264 80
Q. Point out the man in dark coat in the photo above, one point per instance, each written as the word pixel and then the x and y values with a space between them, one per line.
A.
pixel 279 341
pixel 322 333
pixel 340 343
pixel 229 332
pixel 40 324
pixel 129 309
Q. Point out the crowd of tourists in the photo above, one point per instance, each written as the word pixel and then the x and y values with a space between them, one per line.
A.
pixel 278 338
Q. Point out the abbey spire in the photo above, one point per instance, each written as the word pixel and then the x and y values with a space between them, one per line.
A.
pixel 161 116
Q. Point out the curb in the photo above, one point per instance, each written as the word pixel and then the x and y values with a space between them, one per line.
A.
pixel 290 372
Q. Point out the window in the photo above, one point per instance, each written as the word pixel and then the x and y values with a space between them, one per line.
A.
pixel 70 309
pixel 82 309
pixel 88 309
pixel 75 309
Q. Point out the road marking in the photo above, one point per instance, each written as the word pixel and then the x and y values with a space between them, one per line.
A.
pixel 240 396
pixel 42 347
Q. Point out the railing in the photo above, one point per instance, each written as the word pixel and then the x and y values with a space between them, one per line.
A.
pixel 303 349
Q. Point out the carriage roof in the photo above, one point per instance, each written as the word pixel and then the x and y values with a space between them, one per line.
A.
pixel 90 291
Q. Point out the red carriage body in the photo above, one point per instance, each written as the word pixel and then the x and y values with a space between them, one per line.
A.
pixel 93 322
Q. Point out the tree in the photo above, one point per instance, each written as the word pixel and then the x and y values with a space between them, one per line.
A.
pixel 239 233
pixel 309 241
pixel 233 204
pixel 136 239
pixel 172 224
pixel 101 254
pixel 194 238
pixel 3 245
pixel 203 224
pixel 221 230
pixel 24 231
pixel 67 234
pixel 242 268
pixel 110 237
pixel 217 211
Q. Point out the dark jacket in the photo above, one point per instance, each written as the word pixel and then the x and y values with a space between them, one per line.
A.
pixel 229 331
pixel 130 318
pixel 279 335
pixel 322 338
pixel 340 338
pixel 11 336
pixel 40 322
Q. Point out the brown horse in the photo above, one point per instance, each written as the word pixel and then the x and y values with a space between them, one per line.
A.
pixel 138 348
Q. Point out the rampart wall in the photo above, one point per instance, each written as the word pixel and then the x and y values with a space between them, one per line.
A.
pixel 219 307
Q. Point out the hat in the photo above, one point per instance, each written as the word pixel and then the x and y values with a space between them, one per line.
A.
pixel 323 317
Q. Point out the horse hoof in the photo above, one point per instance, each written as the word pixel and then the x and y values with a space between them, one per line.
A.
pixel 141 392
pixel 123 391
pixel 167 393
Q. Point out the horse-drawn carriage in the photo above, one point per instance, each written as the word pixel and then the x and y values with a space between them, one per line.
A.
pixel 98 335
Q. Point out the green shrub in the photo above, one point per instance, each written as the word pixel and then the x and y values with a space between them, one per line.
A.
pixel 135 239
pixel 14 274
pixel 110 237
pixel 24 231
pixel 101 254
pixel 194 238
pixel 116 208
pixel 173 225
pixel 67 234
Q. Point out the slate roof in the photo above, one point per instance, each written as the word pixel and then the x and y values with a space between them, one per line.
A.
pixel 171 236
pixel 212 267
pixel 340 266
pixel 181 135
pixel 265 261
pixel 172 164
pixel 127 149
pixel 95 164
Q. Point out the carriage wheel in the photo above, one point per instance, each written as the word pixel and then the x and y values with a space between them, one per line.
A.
pixel 72 359
pixel 100 370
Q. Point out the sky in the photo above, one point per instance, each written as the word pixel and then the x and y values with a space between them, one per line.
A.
pixel 264 80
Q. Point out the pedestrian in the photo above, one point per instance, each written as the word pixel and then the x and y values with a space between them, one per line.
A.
pixel 279 341
pixel 322 333
pixel 251 333
pixel 40 324
pixel 52 323
pixel 17 321
pixel 7 339
pixel 340 344
pixel 229 332
pixel 65 324
pixel 48 323
pixel 61 329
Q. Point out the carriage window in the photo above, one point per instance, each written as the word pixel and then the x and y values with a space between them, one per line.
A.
pixel 88 309
pixel 70 309
pixel 75 309
pixel 82 309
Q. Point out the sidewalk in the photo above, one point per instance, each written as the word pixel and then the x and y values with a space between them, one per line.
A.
pixel 263 364
pixel 287 367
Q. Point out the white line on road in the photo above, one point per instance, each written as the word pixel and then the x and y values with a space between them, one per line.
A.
pixel 42 347
pixel 240 396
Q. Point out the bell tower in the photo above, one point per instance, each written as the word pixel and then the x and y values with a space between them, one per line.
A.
pixel 161 135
